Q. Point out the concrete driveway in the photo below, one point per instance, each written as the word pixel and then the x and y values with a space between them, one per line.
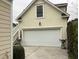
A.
pixel 45 53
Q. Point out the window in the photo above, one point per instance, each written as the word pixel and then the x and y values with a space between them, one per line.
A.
pixel 40 11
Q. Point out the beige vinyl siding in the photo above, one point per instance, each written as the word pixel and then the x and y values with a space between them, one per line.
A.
pixel 5 24
pixel 6 38
pixel 6 30
pixel 4 9
pixel 4 13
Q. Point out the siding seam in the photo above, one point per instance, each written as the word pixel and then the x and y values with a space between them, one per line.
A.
pixel 5 40
pixel 5 32
pixel 5 44
pixel 5 7
pixel 4 23
pixel 5 27
pixel 4 19
pixel 4 1
pixel 4 11
pixel 5 15
pixel 5 48
pixel 4 52
pixel 5 36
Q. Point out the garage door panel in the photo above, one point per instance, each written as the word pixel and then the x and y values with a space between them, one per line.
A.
pixel 41 38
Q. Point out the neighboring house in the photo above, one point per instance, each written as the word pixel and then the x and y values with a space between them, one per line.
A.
pixel 5 29
pixel 43 23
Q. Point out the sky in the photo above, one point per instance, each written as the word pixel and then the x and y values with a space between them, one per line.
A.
pixel 19 6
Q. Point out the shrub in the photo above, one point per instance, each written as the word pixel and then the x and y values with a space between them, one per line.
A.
pixel 72 35
pixel 18 52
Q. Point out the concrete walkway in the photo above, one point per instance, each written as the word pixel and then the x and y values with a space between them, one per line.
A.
pixel 45 53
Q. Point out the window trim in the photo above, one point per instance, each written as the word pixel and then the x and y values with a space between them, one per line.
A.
pixel 36 11
pixel 39 11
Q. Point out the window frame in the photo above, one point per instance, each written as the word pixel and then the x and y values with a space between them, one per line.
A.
pixel 40 11
pixel 36 10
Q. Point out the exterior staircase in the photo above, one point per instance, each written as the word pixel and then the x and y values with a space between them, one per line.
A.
pixel 15 33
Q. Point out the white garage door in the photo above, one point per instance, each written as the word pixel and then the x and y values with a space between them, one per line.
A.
pixel 41 38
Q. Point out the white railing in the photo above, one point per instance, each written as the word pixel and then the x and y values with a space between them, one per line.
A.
pixel 15 32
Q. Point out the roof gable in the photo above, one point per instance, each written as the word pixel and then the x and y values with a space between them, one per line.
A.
pixel 33 1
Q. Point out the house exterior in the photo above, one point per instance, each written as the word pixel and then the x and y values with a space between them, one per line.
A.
pixel 43 23
pixel 5 29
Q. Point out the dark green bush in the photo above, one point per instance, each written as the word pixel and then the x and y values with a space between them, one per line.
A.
pixel 18 52
pixel 72 35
